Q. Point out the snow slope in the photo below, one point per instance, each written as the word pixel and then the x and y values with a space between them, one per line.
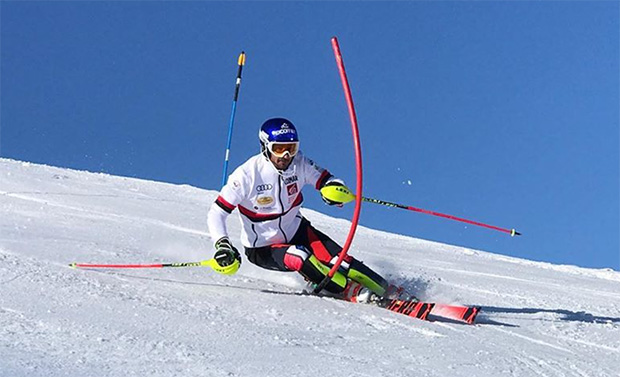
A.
pixel 538 319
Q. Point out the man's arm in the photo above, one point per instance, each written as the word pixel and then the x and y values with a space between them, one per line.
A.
pixel 319 177
pixel 233 193
pixel 216 218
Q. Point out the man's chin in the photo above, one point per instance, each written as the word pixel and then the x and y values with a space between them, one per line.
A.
pixel 283 165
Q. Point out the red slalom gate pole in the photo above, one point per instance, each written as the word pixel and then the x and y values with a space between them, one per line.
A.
pixel 358 164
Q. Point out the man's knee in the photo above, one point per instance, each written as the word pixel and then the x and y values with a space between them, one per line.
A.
pixel 295 256
pixel 361 273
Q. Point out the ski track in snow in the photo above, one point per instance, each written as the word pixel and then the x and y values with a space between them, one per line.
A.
pixel 537 320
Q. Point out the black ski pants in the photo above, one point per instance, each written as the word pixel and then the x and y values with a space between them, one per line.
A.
pixel 312 253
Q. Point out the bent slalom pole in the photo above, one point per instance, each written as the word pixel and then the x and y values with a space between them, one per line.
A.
pixel 241 63
pixel 358 164
pixel 228 270
pixel 343 195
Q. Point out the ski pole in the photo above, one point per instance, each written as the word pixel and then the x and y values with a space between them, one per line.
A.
pixel 241 63
pixel 228 270
pixel 343 195
pixel 512 232
pixel 358 165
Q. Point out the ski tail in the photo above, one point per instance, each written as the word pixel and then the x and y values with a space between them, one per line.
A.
pixel 465 314
pixel 401 301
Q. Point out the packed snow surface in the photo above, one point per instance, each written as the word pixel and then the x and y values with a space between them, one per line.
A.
pixel 537 318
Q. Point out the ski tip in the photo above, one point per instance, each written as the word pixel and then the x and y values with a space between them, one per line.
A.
pixel 73 265
pixel 514 232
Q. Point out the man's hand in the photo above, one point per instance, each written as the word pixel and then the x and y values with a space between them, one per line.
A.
pixel 331 202
pixel 225 252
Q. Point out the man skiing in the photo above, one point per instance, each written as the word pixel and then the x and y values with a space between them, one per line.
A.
pixel 267 191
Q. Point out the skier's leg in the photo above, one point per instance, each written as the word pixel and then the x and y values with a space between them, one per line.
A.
pixel 326 250
pixel 284 257
pixel 263 257
pixel 361 273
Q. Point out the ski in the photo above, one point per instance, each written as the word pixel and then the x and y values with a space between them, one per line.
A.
pixel 422 310
pixel 411 308
pixel 409 305
pixel 406 303
pixel 460 313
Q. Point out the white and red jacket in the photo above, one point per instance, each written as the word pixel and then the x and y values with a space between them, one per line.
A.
pixel 268 200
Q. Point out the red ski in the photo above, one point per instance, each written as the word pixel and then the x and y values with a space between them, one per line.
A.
pixel 422 310
pixel 411 308
pixel 408 304
pixel 465 314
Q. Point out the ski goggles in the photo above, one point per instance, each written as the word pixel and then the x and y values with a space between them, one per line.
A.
pixel 280 149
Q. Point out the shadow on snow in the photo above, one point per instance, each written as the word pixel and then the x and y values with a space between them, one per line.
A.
pixel 558 314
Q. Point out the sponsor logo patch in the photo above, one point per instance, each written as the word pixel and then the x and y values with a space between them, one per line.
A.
pixel 264 187
pixel 290 179
pixel 264 200
pixel 315 166
pixel 283 131
pixel 292 189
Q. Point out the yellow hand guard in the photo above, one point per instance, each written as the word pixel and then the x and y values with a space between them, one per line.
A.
pixel 227 270
pixel 338 194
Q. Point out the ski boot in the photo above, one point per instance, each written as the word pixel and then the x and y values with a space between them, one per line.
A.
pixel 397 292
pixel 356 292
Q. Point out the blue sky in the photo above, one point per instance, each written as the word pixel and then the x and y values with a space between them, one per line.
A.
pixel 501 112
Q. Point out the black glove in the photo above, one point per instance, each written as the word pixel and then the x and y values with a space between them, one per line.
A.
pixel 335 182
pixel 225 252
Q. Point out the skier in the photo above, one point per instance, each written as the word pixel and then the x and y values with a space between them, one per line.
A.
pixel 267 191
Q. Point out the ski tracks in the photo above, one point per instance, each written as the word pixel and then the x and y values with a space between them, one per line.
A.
pixel 101 214
pixel 561 359
pixel 57 317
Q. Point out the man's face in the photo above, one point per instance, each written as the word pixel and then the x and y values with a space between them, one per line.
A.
pixel 281 163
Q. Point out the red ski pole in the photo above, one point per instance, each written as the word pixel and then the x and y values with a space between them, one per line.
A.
pixel 154 265
pixel 512 232
pixel 343 195
pixel 227 270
